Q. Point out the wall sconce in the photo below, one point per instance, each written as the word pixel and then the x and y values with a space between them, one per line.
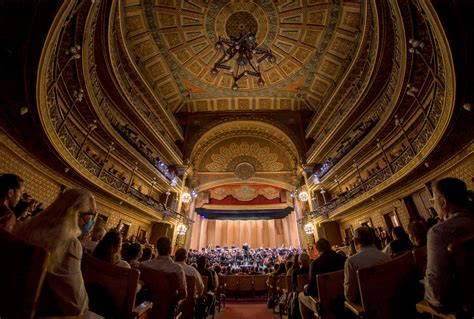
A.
pixel 181 229
pixel 309 229
pixel 186 197
pixel 303 196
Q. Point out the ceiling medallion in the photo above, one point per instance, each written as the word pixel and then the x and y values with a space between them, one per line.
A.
pixel 244 170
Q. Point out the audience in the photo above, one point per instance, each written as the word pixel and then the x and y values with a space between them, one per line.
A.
pixel 108 249
pixel 11 189
pixel 146 255
pixel 450 198
pixel 400 242
pixel 165 264
pixel 133 254
pixel 367 255
pixel 97 234
pixel 181 257
pixel 57 230
pixel 328 261
pixel 418 231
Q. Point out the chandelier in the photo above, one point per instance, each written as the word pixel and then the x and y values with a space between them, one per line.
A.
pixel 247 58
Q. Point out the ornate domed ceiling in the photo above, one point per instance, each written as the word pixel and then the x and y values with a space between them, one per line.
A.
pixel 314 43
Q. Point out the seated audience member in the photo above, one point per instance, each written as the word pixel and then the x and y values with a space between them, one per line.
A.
pixel 97 235
pixel 181 257
pixel 57 230
pixel 11 189
pixel 400 242
pixel 418 231
pixel 433 219
pixel 165 264
pixel 304 261
pixel 328 261
pixel 133 254
pixel 367 256
pixel 108 249
pixel 450 199
pixel 146 254
pixel 210 298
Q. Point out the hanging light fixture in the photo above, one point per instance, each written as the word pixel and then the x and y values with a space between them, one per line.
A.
pixel 303 196
pixel 309 229
pixel 244 56
pixel 181 229
pixel 186 197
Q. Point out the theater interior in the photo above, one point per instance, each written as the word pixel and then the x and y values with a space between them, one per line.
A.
pixel 223 124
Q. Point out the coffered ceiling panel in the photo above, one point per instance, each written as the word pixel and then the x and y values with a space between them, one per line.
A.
pixel 311 40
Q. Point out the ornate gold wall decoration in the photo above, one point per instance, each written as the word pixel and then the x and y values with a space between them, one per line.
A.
pixel 244 192
pixel 228 155
pixel 244 170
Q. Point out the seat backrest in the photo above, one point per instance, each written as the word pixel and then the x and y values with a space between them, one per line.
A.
pixel 260 283
pixel 245 283
pixel 163 291
pixel 188 304
pixel 282 283
pixel 22 275
pixel 389 290
pixel 205 280
pixel 231 283
pixel 420 259
pixel 302 280
pixel 463 254
pixel 331 294
pixel 106 282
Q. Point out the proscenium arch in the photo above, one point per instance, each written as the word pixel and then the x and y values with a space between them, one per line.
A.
pixel 235 180
pixel 242 128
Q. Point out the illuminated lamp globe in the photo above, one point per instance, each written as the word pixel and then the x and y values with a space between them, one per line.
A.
pixel 309 229
pixel 303 196
pixel 186 197
pixel 181 229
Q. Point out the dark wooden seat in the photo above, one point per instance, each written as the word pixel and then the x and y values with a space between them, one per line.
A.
pixel 112 287
pixel 387 290
pixel 462 252
pixel 259 283
pixel 302 280
pixel 420 259
pixel 245 284
pixel 163 291
pixel 330 303
pixel 187 307
pixel 22 275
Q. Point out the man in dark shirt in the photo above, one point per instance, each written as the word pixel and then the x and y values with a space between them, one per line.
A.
pixel 210 299
pixel 328 261
pixel 11 189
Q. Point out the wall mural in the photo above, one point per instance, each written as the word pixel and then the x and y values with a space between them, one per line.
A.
pixel 245 192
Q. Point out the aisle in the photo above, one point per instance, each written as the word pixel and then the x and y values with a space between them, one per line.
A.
pixel 246 310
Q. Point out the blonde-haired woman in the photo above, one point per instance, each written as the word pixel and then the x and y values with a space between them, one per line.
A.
pixel 56 229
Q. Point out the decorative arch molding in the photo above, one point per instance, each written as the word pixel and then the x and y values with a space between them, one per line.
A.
pixel 235 180
pixel 244 128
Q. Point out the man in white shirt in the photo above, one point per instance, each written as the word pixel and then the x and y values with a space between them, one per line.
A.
pixel 367 256
pixel 181 257
pixel 164 263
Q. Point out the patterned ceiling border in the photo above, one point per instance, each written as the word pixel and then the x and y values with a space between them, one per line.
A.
pixel 271 90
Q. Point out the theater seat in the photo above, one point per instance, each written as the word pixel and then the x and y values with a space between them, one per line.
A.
pixel 22 273
pixel 112 289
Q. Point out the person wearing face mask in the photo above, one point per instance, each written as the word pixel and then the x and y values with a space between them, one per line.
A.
pixel 57 230
pixel 11 189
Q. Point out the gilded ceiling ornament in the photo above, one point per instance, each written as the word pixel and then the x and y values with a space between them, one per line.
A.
pixel 221 161
pixel 244 170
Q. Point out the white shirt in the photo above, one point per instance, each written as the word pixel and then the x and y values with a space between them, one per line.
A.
pixel 166 264
pixel 191 271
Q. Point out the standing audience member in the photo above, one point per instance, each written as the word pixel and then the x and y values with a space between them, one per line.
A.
pixel 108 249
pixel 181 257
pixel 418 231
pixel 450 199
pixel 400 242
pixel 164 263
pixel 11 189
pixel 367 256
pixel 328 261
pixel 57 230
